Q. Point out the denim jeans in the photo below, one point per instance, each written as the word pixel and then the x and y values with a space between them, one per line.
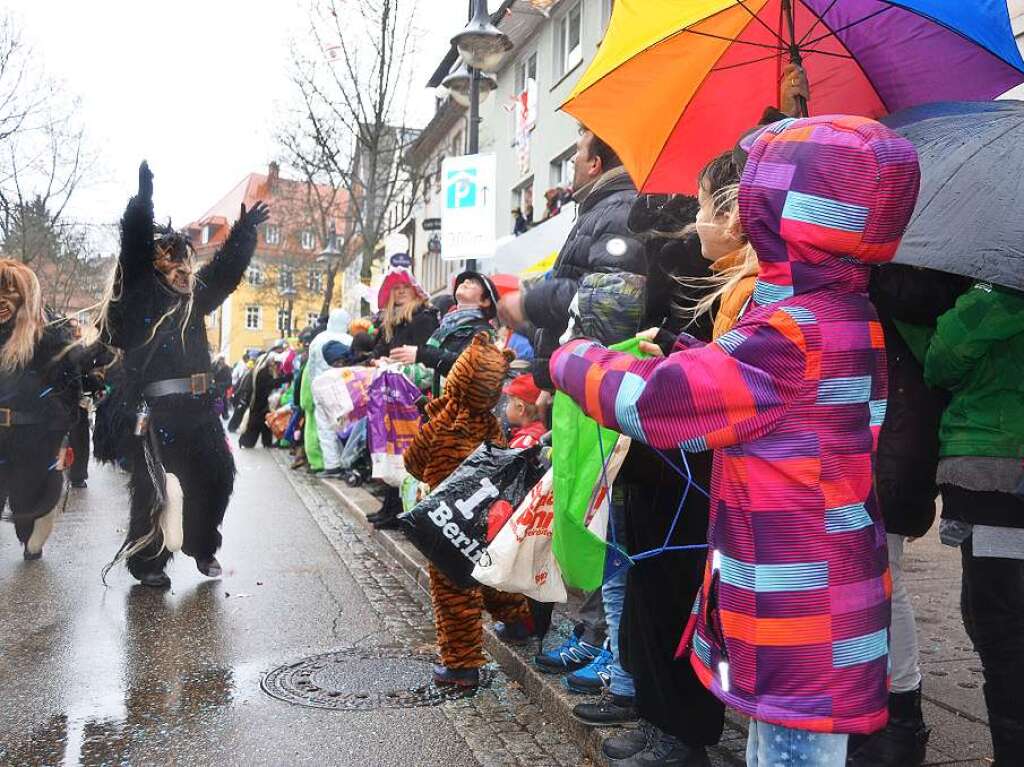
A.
pixel 769 745
pixel 613 593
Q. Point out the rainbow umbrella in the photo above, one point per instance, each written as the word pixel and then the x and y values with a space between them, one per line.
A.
pixel 676 82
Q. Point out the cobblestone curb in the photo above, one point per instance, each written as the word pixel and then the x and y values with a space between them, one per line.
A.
pixel 547 691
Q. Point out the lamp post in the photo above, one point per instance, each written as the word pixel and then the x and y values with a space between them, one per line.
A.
pixel 288 294
pixel 482 46
pixel 330 256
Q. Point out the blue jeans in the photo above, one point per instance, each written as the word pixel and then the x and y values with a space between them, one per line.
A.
pixel 769 745
pixel 613 593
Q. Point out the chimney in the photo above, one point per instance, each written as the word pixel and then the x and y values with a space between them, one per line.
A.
pixel 273 171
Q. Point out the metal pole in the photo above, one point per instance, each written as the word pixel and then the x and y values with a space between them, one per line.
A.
pixel 474 112
pixel 474 129
pixel 794 50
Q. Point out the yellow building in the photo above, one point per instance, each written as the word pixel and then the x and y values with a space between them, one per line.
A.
pixel 284 289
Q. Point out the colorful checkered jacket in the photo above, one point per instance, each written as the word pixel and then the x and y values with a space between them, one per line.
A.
pixel 791 623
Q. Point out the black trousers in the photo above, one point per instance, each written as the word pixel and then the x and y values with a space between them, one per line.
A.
pixel 659 596
pixel 199 456
pixel 27 480
pixel 257 430
pixel 78 439
pixel 992 604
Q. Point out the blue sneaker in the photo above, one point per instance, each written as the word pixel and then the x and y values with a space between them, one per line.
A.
pixel 572 655
pixel 593 677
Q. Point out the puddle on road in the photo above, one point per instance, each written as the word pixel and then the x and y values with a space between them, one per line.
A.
pixel 140 674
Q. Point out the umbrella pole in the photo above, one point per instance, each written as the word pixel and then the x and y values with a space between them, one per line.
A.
pixel 794 49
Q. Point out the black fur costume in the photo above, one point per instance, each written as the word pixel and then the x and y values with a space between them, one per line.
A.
pixel 162 336
pixel 48 388
pixel 260 384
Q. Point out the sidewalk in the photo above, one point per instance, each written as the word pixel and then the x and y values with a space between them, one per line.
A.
pixel 954 706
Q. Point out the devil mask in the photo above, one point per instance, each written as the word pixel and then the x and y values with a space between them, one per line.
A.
pixel 173 260
pixel 10 301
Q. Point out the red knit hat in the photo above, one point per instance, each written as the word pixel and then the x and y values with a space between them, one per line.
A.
pixel 524 388
pixel 397 276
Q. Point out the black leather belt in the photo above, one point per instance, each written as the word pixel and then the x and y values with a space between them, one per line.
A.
pixel 195 384
pixel 9 418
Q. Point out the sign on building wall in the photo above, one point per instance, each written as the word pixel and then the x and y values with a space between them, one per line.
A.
pixel 468 216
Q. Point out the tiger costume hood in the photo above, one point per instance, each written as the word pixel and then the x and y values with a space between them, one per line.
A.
pixel 464 417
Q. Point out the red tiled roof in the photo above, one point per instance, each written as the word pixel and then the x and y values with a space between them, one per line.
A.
pixel 282 200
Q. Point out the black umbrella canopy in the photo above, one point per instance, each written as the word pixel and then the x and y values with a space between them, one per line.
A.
pixel 969 218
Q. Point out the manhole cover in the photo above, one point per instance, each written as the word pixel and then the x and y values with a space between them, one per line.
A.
pixel 362 679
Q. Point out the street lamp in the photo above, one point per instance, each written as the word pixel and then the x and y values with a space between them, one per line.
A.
pixel 330 257
pixel 460 84
pixel 288 294
pixel 481 46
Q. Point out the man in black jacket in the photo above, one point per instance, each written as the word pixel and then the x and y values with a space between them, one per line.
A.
pixel 601 241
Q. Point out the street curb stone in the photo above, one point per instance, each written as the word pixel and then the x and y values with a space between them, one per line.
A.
pixel 546 690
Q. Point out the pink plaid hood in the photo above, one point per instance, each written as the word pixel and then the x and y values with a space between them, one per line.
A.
pixel 822 199
pixel 791 624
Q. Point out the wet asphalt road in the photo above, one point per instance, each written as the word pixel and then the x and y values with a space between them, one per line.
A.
pixel 124 675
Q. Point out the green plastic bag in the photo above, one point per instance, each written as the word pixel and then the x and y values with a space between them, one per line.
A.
pixel 579 538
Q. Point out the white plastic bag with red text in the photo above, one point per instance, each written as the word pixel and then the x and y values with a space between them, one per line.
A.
pixel 519 559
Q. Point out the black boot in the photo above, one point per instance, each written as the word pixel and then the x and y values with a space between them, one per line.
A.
pixel 387 517
pixel 1007 739
pixel 664 750
pixel 902 743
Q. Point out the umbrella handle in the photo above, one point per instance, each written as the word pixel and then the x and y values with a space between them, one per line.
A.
pixel 794 50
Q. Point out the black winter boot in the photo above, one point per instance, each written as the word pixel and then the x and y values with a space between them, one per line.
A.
pixel 902 743
pixel 1007 739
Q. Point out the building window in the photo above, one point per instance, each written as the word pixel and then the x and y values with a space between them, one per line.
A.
pixel 253 318
pixel 315 280
pixel 526 70
pixel 312 318
pixel 563 170
pixel 569 42
pixel 284 321
pixel 607 6
pixel 522 198
pixel 272 234
pixel 204 238
pixel 524 113
pixel 285 278
pixel 307 239
pixel 255 275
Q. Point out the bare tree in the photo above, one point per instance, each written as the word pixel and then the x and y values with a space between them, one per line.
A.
pixel 321 200
pixel 349 131
pixel 43 163
pixel 21 91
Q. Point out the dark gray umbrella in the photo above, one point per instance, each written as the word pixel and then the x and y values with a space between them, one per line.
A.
pixel 968 218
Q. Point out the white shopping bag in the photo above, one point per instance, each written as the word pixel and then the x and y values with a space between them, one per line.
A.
pixel 519 559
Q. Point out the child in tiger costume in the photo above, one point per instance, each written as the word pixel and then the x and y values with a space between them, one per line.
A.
pixel 457 424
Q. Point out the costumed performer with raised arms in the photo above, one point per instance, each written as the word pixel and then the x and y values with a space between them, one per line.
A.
pixel 163 421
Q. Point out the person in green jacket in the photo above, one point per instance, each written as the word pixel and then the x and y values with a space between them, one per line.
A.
pixel 310 438
pixel 977 353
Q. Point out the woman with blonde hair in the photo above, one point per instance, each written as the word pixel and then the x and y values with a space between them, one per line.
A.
pixel 406 318
pixel 39 393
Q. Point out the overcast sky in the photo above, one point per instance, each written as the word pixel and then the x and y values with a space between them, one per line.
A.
pixel 194 86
